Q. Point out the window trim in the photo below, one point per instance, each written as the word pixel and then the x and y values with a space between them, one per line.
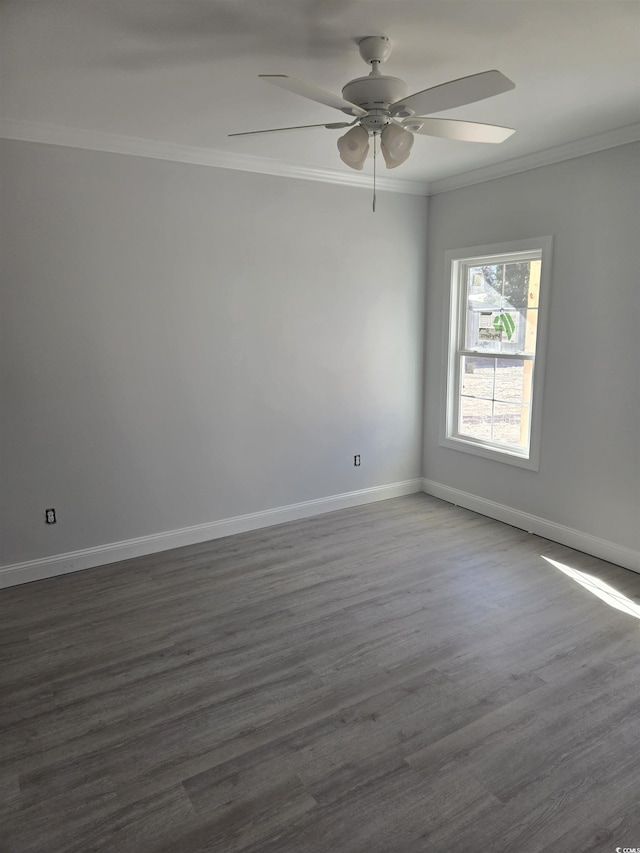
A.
pixel 453 323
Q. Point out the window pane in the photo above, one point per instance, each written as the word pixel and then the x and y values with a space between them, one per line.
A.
pixel 516 285
pixel 512 323
pixel 475 417
pixel 510 424
pixel 513 381
pixel 481 334
pixel 484 286
pixel 477 376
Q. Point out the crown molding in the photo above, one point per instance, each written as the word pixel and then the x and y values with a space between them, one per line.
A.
pixel 31 131
pixel 578 148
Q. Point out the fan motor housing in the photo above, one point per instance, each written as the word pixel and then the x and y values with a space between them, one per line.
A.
pixel 374 92
pixel 375 120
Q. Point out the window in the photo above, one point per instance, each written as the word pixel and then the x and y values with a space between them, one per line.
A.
pixel 495 348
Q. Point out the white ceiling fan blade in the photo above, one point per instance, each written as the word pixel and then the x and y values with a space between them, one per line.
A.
pixel 455 93
pixel 465 131
pixel 333 125
pixel 307 90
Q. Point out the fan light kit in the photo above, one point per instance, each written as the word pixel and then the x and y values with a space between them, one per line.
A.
pixel 380 107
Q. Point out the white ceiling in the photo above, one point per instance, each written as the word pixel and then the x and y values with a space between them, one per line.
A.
pixel 185 72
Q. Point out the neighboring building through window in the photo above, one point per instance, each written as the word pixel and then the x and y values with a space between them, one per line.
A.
pixel 494 360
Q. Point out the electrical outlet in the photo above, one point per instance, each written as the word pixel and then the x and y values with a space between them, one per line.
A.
pixel 356 460
pixel 50 516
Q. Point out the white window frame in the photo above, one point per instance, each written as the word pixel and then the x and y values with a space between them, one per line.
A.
pixel 455 319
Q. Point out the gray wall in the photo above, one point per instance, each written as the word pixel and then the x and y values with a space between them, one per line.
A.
pixel 589 477
pixel 182 344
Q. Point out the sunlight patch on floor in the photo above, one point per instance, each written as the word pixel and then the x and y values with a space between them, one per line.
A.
pixel 598 587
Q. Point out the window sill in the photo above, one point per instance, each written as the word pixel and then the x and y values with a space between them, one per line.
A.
pixel 510 457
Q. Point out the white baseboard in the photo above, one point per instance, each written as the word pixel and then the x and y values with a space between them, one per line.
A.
pixel 113 552
pixel 87 558
pixel 602 548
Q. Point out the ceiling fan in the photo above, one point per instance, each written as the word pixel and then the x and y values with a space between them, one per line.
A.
pixel 382 108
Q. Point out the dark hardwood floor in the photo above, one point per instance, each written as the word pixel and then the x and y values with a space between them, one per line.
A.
pixel 400 677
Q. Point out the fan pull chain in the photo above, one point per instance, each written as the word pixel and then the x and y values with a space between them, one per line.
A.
pixel 374 173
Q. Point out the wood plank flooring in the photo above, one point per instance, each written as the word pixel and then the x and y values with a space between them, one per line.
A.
pixel 400 677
